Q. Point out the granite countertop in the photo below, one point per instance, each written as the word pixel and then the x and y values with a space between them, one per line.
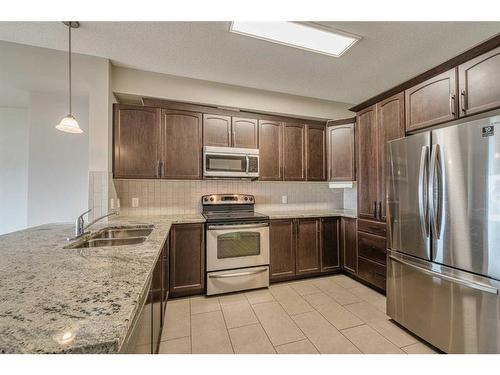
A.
pixel 55 300
pixel 310 213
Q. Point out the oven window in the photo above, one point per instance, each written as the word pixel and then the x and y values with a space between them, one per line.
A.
pixel 226 163
pixel 238 244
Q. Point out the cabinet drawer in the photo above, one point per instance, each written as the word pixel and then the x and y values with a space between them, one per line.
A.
pixel 372 272
pixel 375 227
pixel 372 247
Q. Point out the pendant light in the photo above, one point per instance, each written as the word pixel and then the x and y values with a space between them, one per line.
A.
pixel 69 124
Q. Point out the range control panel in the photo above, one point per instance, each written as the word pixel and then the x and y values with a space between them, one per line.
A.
pixel 228 199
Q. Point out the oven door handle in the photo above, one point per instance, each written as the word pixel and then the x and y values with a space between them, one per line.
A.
pixel 237 274
pixel 238 226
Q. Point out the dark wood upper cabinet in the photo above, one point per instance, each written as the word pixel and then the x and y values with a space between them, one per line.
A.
pixel 245 132
pixel 316 152
pixel 308 258
pixel 341 153
pixel 282 249
pixel 330 244
pixel 137 146
pixel 390 126
pixel 349 245
pixel 367 154
pixel 294 156
pixel 432 102
pixel 270 150
pixel 187 259
pixel 216 130
pixel 479 83
pixel 182 144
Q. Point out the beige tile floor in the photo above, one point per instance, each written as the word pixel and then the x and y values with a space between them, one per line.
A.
pixel 332 314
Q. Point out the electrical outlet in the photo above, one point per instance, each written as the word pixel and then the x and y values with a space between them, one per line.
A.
pixel 135 202
pixel 117 202
pixel 112 203
pixel 284 199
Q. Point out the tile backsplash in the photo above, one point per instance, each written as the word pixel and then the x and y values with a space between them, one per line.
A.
pixel 166 197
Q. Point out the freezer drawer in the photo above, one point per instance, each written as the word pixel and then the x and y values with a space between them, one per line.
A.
pixel 455 311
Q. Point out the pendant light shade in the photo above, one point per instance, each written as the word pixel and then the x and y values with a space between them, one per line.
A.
pixel 69 124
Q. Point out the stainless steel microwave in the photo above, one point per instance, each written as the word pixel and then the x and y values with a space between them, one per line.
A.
pixel 230 162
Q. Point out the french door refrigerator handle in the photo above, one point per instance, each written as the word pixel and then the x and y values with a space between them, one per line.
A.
pixel 423 197
pixel 452 279
pixel 432 199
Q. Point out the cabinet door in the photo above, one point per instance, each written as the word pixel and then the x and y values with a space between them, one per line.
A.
pixel 245 132
pixel 431 102
pixel 166 272
pixel 294 163
pixel 308 246
pixel 136 139
pixel 316 150
pixel 330 244
pixel 182 145
pixel 187 259
pixel 270 150
pixel 282 249
pixel 157 296
pixel 390 126
pixel 349 245
pixel 216 130
pixel 341 153
pixel 367 162
pixel 479 83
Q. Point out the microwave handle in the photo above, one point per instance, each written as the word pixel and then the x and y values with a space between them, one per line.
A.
pixel 248 164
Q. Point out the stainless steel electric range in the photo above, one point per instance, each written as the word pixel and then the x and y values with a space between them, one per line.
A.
pixel 237 241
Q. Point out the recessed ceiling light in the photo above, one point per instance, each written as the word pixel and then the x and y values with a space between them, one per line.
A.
pixel 310 37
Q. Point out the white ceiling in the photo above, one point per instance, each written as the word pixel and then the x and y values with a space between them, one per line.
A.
pixel 388 54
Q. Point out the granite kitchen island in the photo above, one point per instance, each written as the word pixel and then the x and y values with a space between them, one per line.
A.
pixel 56 300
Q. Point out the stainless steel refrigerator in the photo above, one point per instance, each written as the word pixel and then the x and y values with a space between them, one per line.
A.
pixel 443 258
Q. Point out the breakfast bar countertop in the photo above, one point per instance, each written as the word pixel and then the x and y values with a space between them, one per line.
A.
pixel 56 300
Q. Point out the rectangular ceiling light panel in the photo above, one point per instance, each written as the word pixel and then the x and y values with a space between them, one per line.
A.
pixel 304 36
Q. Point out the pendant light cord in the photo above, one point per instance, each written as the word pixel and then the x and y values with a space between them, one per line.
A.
pixel 69 59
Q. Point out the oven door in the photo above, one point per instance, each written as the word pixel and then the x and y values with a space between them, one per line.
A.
pixel 231 246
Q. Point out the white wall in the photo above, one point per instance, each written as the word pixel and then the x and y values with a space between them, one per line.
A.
pixel 58 165
pixel 137 82
pixel 14 140
pixel 58 162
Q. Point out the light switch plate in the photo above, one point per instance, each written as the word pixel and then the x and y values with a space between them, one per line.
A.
pixel 284 199
pixel 112 203
pixel 135 202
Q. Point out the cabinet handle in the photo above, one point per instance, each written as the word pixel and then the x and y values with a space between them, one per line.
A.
pixel 452 104
pixel 380 210
pixel 375 209
pixel 162 169
pixel 463 98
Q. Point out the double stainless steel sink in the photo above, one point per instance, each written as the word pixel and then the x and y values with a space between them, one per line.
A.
pixel 114 236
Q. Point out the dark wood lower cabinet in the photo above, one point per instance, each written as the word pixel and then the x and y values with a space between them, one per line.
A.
pixel 145 334
pixel 372 272
pixel 303 247
pixel 187 259
pixel 349 245
pixel 282 246
pixel 330 241
pixel 372 245
pixel 307 255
